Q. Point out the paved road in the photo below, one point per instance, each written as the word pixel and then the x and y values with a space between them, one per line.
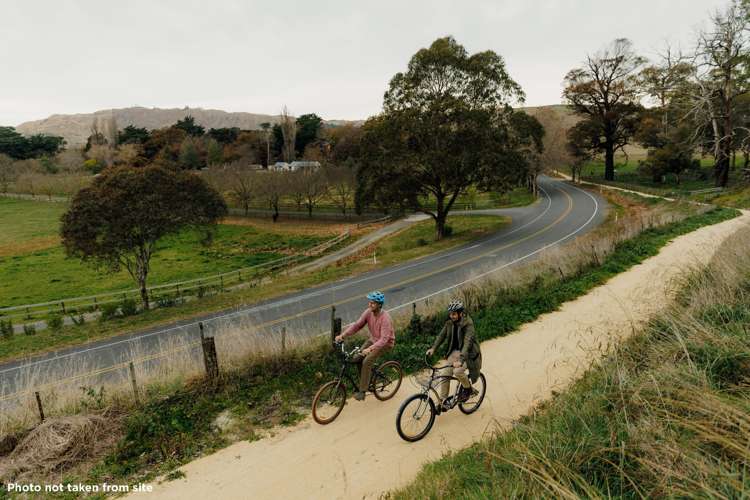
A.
pixel 561 214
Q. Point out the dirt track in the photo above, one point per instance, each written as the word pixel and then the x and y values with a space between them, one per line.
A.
pixel 360 455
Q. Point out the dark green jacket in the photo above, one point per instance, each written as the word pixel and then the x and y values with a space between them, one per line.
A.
pixel 467 344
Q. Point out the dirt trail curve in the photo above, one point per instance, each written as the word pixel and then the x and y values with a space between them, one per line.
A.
pixel 361 456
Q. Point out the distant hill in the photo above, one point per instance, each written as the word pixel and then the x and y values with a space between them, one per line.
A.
pixel 77 128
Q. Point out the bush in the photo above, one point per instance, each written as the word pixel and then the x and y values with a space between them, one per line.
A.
pixel 6 329
pixel 166 300
pixel 422 242
pixel 93 166
pixel 447 230
pixel 128 307
pixel 109 311
pixel 76 317
pixel 29 329
pixel 55 322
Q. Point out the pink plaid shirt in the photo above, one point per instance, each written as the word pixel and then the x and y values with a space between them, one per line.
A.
pixel 380 326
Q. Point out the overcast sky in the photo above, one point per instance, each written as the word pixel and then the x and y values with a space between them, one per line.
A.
pixel 333 58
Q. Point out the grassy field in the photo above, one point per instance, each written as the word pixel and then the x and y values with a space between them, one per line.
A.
pixel 664 416
pixel 397 248
pixel 34 268
pixel 165 432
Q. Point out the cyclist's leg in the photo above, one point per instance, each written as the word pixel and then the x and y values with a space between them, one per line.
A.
pixel 444 384
pixel 364 378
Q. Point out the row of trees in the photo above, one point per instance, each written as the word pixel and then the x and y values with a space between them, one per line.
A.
pixel 18 147
pixel 701 101
pixel 305 189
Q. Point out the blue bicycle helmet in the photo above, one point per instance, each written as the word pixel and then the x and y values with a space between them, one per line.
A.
pixel 376 297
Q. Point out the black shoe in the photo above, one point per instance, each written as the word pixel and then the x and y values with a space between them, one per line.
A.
pixel 359 396
pixel 464 394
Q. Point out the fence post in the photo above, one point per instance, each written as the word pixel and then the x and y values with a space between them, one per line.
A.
pixel 132 381
pixel 209 355
pixel 62 305
pixel 413 309
pixel 39 405
pixel 283 339
pixel 222 282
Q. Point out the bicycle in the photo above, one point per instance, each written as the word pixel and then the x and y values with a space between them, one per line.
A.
pixel 417 413
pixel 331 397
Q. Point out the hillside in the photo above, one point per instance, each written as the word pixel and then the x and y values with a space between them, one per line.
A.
pixel 76 128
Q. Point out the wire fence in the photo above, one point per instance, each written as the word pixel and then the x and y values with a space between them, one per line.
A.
pixel 165 292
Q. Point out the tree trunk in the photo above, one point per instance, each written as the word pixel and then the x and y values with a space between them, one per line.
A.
pixel 247 208
pixel 144 296
pixel 440 217
pixel 309 210
pixel 609 161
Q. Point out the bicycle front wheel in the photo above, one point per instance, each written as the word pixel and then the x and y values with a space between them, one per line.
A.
pixel 415 417
pixel 387 380
pixel 328 402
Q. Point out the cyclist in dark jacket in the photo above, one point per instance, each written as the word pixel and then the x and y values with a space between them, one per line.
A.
pixel 462 352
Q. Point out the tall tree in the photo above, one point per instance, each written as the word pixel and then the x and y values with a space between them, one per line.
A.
pixel 266 127
pixel 118 220
pixel 289 132
pixel 133 135
pixel 720 81
pixel 188 125
pixel 446 125
pixel 605 93
pixel 308 128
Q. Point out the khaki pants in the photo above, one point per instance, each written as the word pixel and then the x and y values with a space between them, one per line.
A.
pixel 367 362
pixel 462 373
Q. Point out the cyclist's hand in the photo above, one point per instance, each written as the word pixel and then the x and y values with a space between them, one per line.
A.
pixel 365 352
pixel 457 364
pixel 429 352
pixel 339 338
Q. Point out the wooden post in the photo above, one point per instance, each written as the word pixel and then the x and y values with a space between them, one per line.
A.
pixel 39 405
pixel 209 355
pixel 62 305
pixel 222 282
pixel 132 381
pixel 283 339
pixel 413 309
pixel 96 305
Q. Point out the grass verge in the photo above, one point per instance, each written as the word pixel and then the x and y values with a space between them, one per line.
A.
pixel 666 414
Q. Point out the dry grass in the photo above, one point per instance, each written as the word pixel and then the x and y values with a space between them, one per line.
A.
pixel 58 444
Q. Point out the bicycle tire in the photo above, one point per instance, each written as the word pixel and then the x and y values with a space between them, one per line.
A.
pixel 380 374
pixel 337 388
pixel 430 408
pixel 468 409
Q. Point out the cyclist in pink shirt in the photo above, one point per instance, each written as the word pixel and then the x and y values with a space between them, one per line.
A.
pixel 382 337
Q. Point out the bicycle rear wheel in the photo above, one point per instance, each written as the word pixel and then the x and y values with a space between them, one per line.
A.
pixel 386 380
pixel 415 417
pixel 475 400
pixel 328 402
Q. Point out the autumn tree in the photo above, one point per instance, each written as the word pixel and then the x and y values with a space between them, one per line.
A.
pixel 242 188
pixel 604 92
pixel 118 221
pixel 341 182
pixel 272 187
pixel 446 125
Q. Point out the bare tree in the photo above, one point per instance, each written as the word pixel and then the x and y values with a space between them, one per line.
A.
pixel 720 60
pixel 266 126
pixel 289 131
pixel 272 186
pixel 296 187
pixel 342 185
pixel 316 187
pixel 243 188
pixel 556 154
pixel 605 93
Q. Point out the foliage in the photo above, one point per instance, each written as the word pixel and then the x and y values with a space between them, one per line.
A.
pixel 189 158
pixel 308 128
pixel 133 135
pixel 189 126
pixel 29 329
pixel 6 329
pixel 19 147
pixel 128 307
pixel 120 218
pixel 418 146
pixel 224 135
pixel 55 322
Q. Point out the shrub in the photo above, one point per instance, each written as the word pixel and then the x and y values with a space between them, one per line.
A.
pixel 447 230
pixel 422 242
pixel 6 329
pixel 55 322
pixel 166 300
pixel 76 317
pixel 109 311
pixel 128 307
pixel 29 329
